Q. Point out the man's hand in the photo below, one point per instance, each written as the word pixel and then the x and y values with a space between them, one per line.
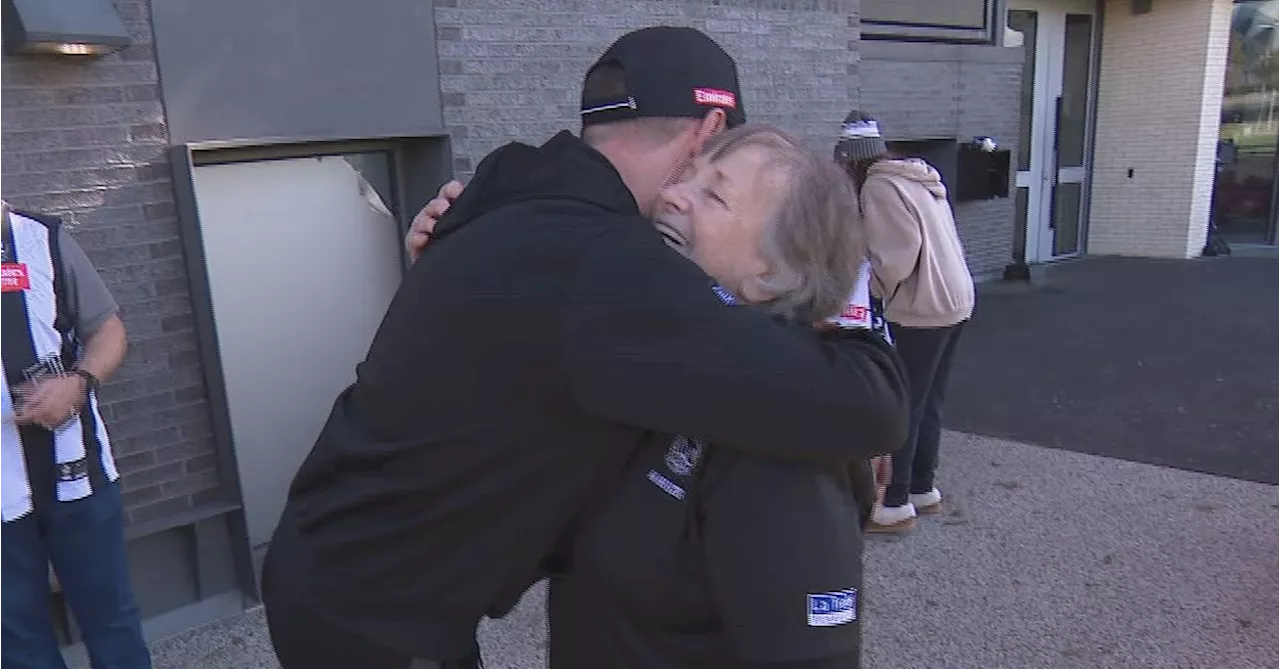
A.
pixel 50 401
pixel 425 222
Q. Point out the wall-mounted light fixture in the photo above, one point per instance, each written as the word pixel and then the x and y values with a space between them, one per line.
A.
pixel 63 27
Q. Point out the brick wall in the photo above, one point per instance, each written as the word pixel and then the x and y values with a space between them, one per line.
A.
pixel 86 139
pixel 1159 99
pixel 512 69
pixel 927 91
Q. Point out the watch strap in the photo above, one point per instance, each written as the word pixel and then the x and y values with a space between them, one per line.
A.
pixel 89 379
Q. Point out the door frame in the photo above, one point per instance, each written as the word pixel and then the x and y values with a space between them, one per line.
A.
pixel 419 166
pixel 1037 233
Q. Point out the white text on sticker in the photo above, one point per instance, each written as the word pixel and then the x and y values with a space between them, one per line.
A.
pixel 715 97
pixel 828 609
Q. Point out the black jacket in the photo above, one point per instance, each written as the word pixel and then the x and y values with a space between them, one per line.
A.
pixel 546 330
pixel 702 557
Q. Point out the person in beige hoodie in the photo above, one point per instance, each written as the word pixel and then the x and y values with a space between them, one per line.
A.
pixel 919 273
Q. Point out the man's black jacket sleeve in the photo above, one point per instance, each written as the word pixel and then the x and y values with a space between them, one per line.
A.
pixel 650 342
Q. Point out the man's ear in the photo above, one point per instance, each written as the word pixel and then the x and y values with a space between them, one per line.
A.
pixel 711 125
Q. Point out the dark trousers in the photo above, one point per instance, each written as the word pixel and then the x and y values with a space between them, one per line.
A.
pixel 927 354
pixel 303 640
pixel 84 540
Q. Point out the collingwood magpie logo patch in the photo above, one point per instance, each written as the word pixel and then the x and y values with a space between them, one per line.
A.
pixel 681 459
pixel 829 609
pixel 683 455
pixel 73 471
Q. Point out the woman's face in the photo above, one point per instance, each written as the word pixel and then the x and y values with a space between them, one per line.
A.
pixel 718 210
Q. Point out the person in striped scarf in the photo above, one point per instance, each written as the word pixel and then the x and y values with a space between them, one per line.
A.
pixel 61 496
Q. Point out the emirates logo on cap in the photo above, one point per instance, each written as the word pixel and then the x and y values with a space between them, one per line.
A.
pixel 715 97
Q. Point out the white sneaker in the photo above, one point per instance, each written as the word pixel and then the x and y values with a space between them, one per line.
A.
pixel 929 502
pixel 893 519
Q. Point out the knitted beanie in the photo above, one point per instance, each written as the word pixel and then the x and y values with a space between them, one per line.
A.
pixel 860 139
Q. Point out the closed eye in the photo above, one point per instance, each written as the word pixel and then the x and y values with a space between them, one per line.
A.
pixel 710 194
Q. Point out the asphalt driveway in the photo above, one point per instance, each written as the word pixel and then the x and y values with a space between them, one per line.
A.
pixel 1158 361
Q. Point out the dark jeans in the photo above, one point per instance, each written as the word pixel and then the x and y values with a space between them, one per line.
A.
pixel 927 354
pixel 302 640
pixel 84 540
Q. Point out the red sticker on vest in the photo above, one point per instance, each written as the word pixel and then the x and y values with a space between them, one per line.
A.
pixel 13 276
pixel 855 311
pixel 715 97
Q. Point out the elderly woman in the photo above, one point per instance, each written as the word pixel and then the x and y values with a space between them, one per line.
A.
pixel 709 557
pixel 919 271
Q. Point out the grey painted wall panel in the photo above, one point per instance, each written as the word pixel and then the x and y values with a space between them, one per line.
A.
pixel 958 13
pixel 298 69
pixel 163 570
pixel 971 21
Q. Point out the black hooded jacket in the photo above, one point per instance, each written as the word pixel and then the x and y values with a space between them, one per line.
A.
pixel 545 332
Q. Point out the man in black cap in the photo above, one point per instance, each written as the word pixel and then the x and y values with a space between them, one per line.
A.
pixel 520 365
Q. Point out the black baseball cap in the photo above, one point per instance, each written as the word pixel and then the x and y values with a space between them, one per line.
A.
pixel 670 72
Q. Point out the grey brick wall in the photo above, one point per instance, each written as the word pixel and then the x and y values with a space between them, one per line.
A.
pixel 86 139
pixel 511 69
pixel 941 91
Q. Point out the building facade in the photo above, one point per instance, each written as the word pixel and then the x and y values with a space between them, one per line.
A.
pixel 243 171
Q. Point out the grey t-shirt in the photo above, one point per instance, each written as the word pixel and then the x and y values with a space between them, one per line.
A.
pixel 90 302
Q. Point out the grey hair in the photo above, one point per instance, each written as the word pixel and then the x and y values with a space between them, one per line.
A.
pixel 813 242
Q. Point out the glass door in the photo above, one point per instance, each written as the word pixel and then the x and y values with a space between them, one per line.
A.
pixel 1054 133
pixel 1244 202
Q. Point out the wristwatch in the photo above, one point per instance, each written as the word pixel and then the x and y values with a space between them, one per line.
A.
pixel 91 382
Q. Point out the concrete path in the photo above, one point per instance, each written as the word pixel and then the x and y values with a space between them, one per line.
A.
pixel 1045 559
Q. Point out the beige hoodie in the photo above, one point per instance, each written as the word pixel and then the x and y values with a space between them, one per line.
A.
pixel 917 262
